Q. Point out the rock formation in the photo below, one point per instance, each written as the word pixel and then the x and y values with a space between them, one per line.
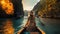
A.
pixel 49 8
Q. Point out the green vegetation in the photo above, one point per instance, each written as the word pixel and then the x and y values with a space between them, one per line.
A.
pixel 48 8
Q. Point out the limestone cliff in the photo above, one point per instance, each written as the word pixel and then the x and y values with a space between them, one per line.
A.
pixel 49 8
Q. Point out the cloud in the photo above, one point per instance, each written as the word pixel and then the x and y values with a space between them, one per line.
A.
pixel 29 4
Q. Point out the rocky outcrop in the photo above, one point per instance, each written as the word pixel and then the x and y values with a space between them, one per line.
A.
pixel 49 8
pixel 18 8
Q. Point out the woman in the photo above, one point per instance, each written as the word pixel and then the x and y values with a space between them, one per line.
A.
pixel 31 22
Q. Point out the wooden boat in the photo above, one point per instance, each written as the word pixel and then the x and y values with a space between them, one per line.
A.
pixel 37 31
pixel 30 27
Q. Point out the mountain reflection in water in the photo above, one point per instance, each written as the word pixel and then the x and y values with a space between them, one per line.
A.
pixel 10 26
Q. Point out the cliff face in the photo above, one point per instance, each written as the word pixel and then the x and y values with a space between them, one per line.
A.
pixel 18 9
pixel 49 8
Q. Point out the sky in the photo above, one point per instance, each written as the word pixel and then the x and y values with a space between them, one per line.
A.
pixel 29 4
